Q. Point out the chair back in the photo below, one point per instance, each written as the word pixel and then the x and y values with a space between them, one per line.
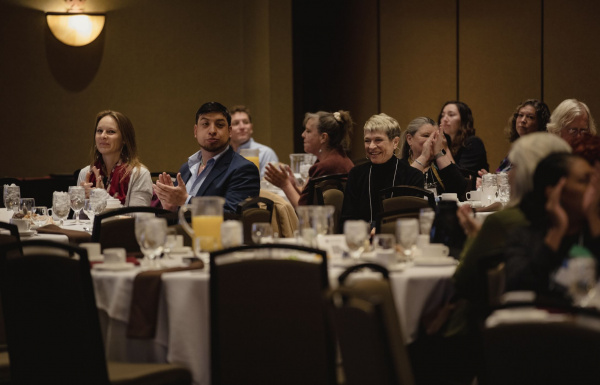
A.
pixel 325 183
pixel 285 219
pixel 368 330
pixel 268 319
pixel 252 210
pixel 401 202
pixel 116 228
pixel 51 319
pixel 549 353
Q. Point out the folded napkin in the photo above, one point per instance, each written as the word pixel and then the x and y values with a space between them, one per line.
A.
pixel 75 236
pixel 143 312
pixel 128 259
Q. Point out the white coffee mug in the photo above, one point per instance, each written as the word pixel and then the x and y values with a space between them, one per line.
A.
pixel 114 255
pixel 434 250
pixel 474 195
pixel 386 257
pixel 449 197
pixel 22 224
pixel 5 215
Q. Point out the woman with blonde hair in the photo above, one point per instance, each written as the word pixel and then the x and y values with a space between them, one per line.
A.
pixel 570 119
pixel 115 165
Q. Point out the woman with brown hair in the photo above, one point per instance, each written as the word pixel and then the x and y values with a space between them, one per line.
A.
pixel 115 165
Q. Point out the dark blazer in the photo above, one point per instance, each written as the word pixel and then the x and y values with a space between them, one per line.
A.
pixel 233 177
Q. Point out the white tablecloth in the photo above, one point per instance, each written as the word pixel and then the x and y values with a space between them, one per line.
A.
pixel 183 326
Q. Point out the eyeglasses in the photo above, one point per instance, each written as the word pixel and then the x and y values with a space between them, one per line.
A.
pixel 578 131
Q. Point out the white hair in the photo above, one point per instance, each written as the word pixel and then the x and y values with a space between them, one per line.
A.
pixel 566 112
pixel 525 154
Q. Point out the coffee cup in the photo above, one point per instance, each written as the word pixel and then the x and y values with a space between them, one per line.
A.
pixel 114 255
pixel 22 224
pixel 422 241
pixel 386 257
pixel 436 250
pixel 474 195
pixel 93 250
pixel 449 197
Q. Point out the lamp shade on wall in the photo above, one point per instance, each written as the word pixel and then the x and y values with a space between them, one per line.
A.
pixel 75 29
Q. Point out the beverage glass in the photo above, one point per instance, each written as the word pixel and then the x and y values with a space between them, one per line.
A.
pixel 503 188
pixel 77 198
pixel 98 200
pixel 171 241
pixel 314 221
pixel 384 246
pixel 356 233
pixel 261 232
pixel 26 205
pixel 426 217
pixel 39 215
pixel 207 217
pixel 139 228
pixel 60 205
pixel 12 197
pixel 489 187
pixel 407 232
pixel 154 237
pixel 232 233
pixel 251 154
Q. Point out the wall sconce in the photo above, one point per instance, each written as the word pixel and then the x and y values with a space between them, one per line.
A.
pixel 75 27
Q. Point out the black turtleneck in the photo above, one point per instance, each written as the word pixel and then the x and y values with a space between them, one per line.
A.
pixel 356 198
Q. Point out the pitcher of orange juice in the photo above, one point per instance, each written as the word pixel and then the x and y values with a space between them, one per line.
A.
pixel 251 154
pixel 207 216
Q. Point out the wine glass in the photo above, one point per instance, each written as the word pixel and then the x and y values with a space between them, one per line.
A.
pixel 232 233
pixel 98 200
pixel 139 226
pixel 60 205
pixel 88 210
pixel 356 233
pixel 39 215
pixel 154 237
pixel 261 231
pixel 77 198
pixel 426 217
pixel 407 232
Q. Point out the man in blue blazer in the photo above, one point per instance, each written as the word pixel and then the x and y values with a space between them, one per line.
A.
pixel 215 170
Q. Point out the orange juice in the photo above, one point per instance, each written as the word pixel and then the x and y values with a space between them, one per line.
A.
pixel 208 226
pixel 254 159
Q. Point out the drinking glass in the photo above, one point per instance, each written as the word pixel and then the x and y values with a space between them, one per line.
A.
pixel 139 226
pixel 12 197
pixel 88 210
pixel 356 233
pixel 426 217
pixel 489 187
pixel 39 215
pixel 26 205
pixel 207 216
pixel 503 188
pixel 60 205
pixel 407 232
pixel 232 233
pixel 252 155
pixel 154 237
pixel 77 198
pixel 171 241
pixel 261 232
pixel 98 200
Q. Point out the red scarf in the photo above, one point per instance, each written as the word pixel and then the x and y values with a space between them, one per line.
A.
pixel 117 185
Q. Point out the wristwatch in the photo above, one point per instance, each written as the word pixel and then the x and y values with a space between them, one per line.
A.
pixel 440 154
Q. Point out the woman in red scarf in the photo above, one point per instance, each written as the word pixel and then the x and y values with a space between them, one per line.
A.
pixel 115 165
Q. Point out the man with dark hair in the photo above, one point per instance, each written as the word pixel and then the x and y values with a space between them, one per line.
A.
pixel 215 170
pixel 241 137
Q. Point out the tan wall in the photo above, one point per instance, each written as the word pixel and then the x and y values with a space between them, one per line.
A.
pixel 157 62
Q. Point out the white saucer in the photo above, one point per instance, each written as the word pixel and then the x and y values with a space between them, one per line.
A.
pixel 27 233
pixel 113 266
pixel 434 261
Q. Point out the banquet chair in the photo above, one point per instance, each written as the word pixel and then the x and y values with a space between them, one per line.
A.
pixel 268 320
pixel 329 190
pixel 52 325
pixel 401 202
pixel 549 353
pixel 115 228
pixel 368 330
pixel 252 210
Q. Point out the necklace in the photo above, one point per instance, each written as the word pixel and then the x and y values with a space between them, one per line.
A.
pixel 393 184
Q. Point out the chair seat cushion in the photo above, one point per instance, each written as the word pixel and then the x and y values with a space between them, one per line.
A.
pixel 123 373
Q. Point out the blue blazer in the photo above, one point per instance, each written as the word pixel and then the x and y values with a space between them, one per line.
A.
pixel 233 177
